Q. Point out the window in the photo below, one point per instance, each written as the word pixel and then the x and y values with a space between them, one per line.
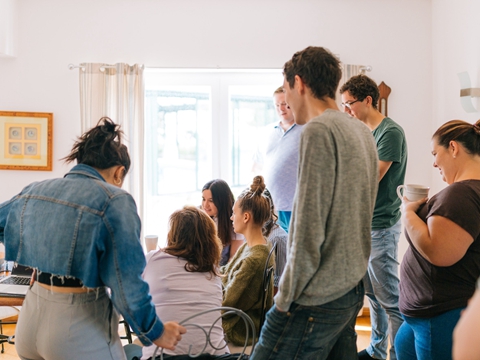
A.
pixel 201 125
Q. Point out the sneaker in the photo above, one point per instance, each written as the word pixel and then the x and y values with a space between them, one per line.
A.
pixel 364 355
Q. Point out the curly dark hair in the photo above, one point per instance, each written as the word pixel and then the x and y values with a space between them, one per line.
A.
pixel 361 86
pixel 318 68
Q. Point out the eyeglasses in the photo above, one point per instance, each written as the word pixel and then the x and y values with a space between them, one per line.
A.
pixel 349 104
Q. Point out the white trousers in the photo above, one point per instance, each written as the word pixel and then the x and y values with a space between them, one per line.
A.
pixel 57 326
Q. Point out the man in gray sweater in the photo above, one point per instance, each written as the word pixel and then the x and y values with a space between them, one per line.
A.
pixel 321 290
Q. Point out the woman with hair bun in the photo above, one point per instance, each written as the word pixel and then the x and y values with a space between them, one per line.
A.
pixel 217 202
pixel 442 264
pixel 81 234
pixel 244 273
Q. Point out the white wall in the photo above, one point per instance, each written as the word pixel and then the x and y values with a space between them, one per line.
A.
pixel 392 36
pixel 456 48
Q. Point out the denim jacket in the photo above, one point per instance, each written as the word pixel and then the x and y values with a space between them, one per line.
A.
pixel 83 227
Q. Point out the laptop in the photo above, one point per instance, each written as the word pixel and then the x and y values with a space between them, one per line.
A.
pixel 16 284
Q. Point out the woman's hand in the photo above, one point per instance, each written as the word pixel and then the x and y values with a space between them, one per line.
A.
pixel 408 205
pixel 172 334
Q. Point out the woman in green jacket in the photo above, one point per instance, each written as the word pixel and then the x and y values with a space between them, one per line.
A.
pixel 244 273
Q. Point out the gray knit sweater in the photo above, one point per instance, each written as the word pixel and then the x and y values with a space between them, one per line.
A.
pixel 329 239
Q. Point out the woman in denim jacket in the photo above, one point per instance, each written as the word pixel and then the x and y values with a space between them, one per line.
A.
pixel 81 234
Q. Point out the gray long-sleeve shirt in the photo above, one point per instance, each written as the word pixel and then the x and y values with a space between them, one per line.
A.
pixel 329 239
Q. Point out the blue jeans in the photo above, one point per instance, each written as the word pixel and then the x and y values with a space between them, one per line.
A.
pixel 312 332
pixel 284 219
pixel 381 288
pixel 427 338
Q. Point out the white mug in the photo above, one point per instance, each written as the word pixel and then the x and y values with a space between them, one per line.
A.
pixel 151 242
pixel 413 192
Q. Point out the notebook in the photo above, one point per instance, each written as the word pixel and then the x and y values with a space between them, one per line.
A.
pixel 17 283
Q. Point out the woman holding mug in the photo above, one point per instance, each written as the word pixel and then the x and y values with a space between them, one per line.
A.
pixel 81 234
pixel 442 264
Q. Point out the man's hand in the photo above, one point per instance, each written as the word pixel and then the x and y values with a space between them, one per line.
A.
pixel 172 334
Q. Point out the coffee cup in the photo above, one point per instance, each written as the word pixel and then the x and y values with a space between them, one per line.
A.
pixel 151 242
pixel 412 192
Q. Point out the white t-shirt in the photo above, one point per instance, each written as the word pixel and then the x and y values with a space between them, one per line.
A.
pixel 177 295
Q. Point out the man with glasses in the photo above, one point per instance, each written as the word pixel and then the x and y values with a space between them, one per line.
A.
pixel 360 97
pixel 321 289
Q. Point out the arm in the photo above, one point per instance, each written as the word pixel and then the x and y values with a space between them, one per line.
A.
pixel 315 187
pixel 240 291
pixel 389 147
pixel 122 266
pixel 383 167
pixel 258 157
pixel 440 241
pixel 466 337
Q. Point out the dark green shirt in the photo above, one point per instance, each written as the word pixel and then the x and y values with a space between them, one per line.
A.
pixel 391 146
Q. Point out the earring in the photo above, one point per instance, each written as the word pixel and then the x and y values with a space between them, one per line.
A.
pixel 117 181
pixel 454 156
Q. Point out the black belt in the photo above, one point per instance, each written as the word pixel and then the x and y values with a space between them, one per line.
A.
pixel 49 279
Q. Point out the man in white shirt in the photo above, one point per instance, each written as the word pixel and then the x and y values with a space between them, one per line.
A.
pixel 281 159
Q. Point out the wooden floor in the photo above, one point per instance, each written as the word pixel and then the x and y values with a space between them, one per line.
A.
pixel 363 337
pixel 364 330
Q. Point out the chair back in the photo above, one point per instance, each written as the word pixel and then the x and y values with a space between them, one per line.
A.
pixel 267 279
pixel 249 326
pixel 128 331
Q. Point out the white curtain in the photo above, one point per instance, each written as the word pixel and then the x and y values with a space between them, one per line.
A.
pixel 117 91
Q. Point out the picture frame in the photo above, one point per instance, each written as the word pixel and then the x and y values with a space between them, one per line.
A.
pixel 26 140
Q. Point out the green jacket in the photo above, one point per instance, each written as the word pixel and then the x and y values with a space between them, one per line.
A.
pixel 243 290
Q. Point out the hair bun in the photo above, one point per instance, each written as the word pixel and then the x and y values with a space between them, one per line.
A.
pixel 108 128
pixel 258 185
pixel 476 127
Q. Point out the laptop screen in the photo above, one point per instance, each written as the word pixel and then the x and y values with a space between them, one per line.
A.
pixel 22 270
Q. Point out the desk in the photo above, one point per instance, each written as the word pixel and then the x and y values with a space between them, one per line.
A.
pixel 11 301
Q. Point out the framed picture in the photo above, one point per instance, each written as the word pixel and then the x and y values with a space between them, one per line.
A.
pixel 26 140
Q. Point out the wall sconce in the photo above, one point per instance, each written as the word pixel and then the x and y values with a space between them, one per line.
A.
pixel 467 92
